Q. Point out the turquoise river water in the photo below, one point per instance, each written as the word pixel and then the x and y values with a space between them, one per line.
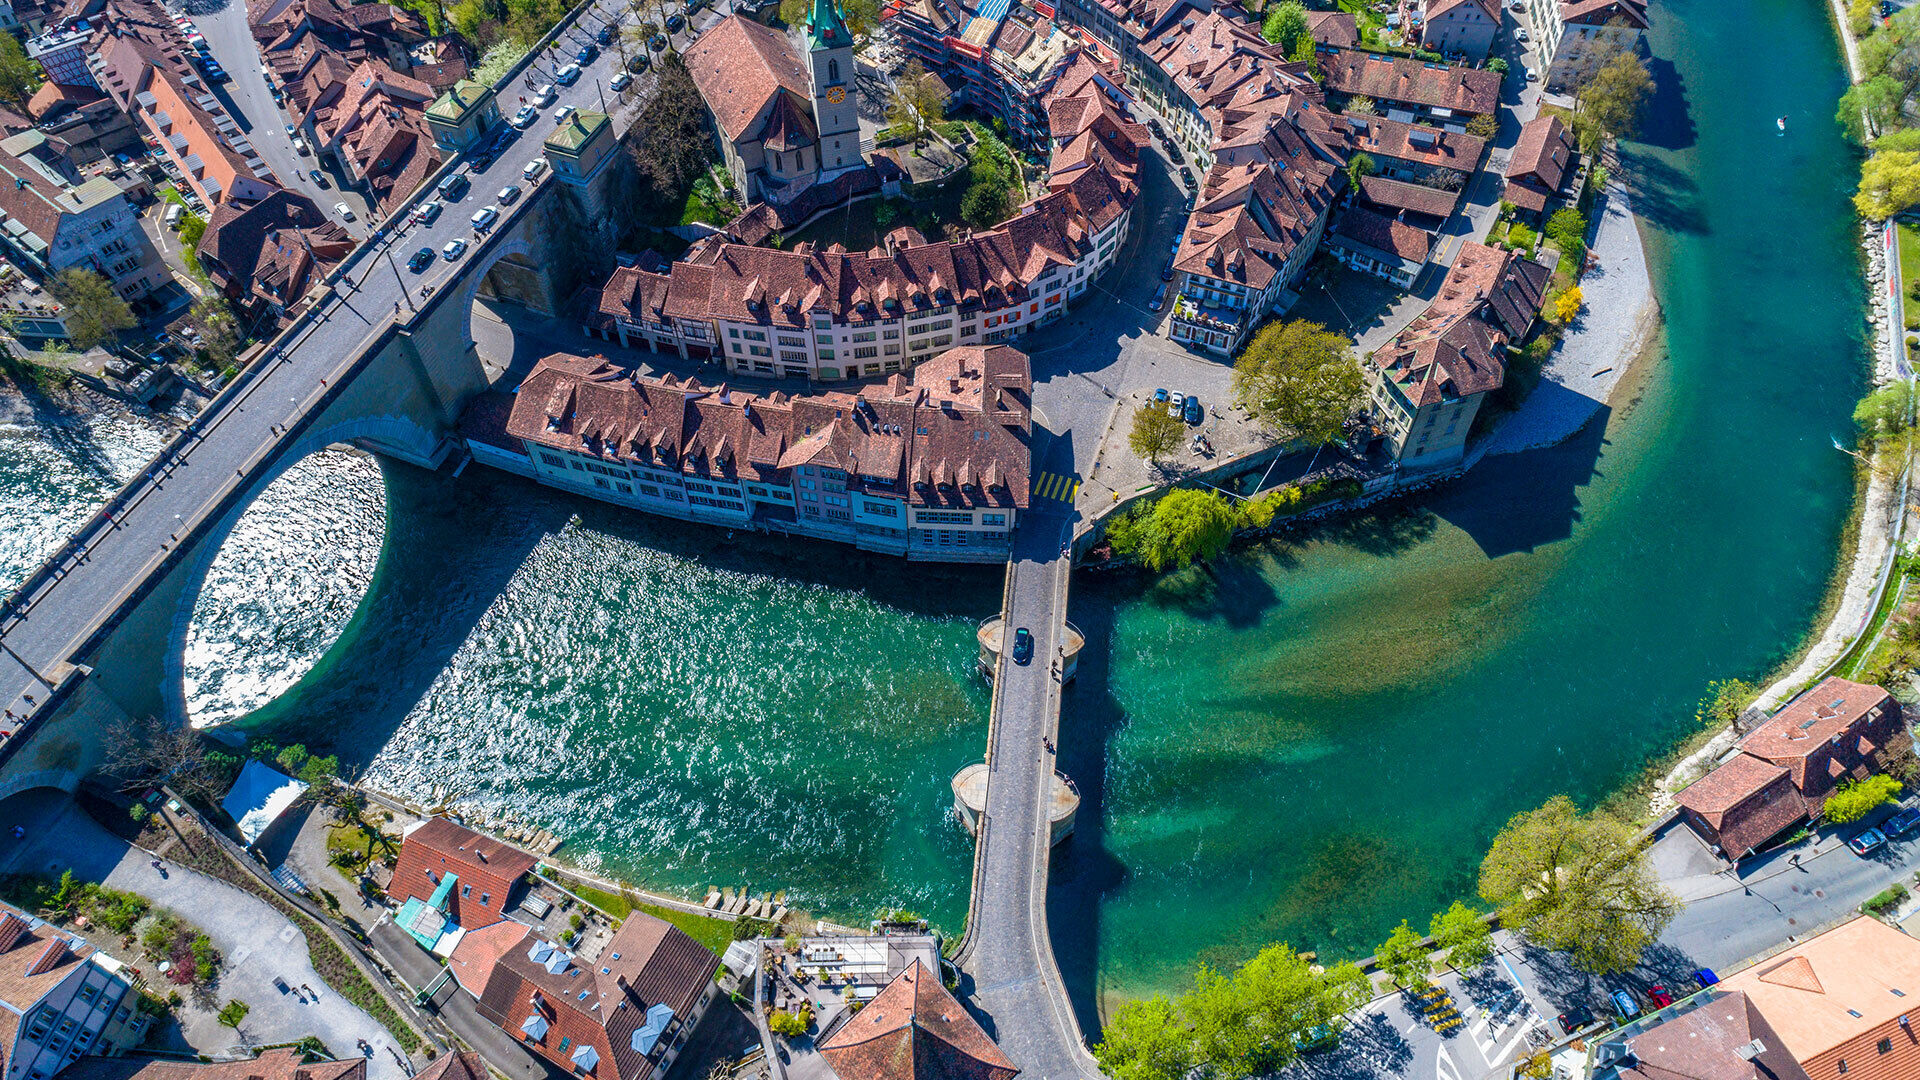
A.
pixel 1308 741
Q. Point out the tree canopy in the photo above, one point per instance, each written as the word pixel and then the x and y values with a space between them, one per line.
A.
pixel 668 144
pixel 1249 1023
pixel 19 73
pixel 1404 957
pixel 1855 799
pixel 1464 934
pixel 1184 526
pixel 1298 377
pixel 1613 93
pixel 1578 884
pixel 917 100
pixel 1285 23
pixel 1889 183
pixel 1155 433
pixel 95 313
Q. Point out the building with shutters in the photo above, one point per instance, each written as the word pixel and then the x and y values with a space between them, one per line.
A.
pixel 60 999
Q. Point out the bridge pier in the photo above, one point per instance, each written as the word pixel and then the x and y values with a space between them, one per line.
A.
pixel 970 801
pixel 992 635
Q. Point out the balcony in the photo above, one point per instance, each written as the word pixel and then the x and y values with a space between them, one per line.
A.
pixel 1190 309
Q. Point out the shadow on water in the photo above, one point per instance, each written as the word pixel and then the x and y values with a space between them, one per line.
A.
pixel 1663 196
pixel 1666 122
pixel 1519 502
pixel 452 547
pixel 57 424
pixel 1085 873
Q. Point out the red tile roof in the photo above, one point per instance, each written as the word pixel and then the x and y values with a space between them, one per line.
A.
pixel 740 66
pixel 1385 234
pixel 486 867
pixel 284 1063
pixel 1399 195
pixel 1743 803
pixel 914 1030
pixel 1403 78
pixel 1539 163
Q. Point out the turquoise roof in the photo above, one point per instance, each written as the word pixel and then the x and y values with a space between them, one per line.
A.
pixel 827 27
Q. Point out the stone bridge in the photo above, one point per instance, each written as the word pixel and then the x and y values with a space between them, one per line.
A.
pixel 97 634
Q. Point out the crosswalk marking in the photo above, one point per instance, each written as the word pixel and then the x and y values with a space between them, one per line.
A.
pixel 1056 486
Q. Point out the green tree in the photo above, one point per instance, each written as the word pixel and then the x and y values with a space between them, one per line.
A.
pixel 1613 93
pixel 1903 139
pixel 95 313
pixel 861 15
pixel 1464 933
pixel 192 228
pixel 233 1012
pixel 1484 126
pixel 1870 107
pixel 1306 51
pixel 1183 526
pixel 1889 183
pixel 1497 66
pixel 213 319
pixel 1253 1022
pixel 669 143
pixel 1568 231
pixel 984 205
pixel 1855 799
pixel 794 12
pixel 917 102
pixel 19 73
pixel 1285 23
pixel 1155 433
pixel 1146 1039
pixel 1360 165
pixel 1577 883
pixel 1361 105
pixel 1404 957
pixel 1298 377
pixel 1725 700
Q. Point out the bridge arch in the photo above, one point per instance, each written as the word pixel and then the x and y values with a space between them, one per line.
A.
pixel 401 436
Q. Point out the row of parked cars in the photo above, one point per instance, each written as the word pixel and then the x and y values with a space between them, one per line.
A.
pixel 1893 828
pixel 453 189
pixel 1185 406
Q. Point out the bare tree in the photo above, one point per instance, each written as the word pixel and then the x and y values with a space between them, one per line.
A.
pixel 146 753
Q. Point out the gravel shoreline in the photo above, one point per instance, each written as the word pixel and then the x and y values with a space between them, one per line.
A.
pixel 1617 325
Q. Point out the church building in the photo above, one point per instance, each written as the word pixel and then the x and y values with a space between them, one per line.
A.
pixel 783 121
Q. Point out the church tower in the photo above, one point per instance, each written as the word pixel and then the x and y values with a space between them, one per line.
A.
pixel 830 65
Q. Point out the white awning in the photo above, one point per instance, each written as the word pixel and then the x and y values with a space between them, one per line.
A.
pixel 259 797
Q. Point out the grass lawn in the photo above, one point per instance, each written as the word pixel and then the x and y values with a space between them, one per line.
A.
pixel 1910 271
pixel 172 195
pixel 715 934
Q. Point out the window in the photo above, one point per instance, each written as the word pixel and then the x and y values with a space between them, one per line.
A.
pixel 466 891
pixel 833 71
pixel 993 519
pixel 1885 1046
pixel 565 1042
pixel 880 509
pixel 486 899
pixel 551 459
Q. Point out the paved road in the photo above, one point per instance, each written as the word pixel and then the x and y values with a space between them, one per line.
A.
pixel 1009 956
pixel 177 494
pixel 250 100
pixel 258 943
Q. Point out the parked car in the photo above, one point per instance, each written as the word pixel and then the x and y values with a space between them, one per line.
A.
pixel 534 169
pixel 1159 298
pixel 1532 75
pixel 453 249
pixel 1520 35
pixel 300 146
pixel 318 177
pixel 1867 842
pixel 1176 402
pixel 1193 413
pixel 484 218
pixel 620 82
pixel 421 260
pixel 545 95
pixel 562 114
pixel 1023 646
pixel 343 210
pixel 508 194
pixel 1624 1004
pixel 526 116
pixel 453 186
pixel 568 75
pixel 1159 132
pixel 605 36
pixel 1186 176
pixel 1901 823
pixel 1660 996
pixel 675 23
pixel 637 63
pixel 292 130
pixel 587 53
pixel 657 42
pixel 1160 395
pixel 427 212
pixel 1575 1018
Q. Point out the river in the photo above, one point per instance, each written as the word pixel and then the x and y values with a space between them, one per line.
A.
pixel 1308 741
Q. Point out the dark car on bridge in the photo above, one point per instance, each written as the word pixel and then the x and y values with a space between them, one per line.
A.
pixel 421 260
pixel 1023 646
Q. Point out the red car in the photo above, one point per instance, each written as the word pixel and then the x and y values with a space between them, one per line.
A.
pixel 1660 996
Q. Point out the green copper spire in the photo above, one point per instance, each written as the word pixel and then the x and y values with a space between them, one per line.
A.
pixel 826 27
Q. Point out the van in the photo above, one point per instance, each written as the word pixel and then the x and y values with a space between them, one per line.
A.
pixel 174 213
pixel 534 169
pixel 453 186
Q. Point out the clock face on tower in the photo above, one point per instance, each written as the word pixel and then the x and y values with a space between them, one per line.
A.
pixel 836 95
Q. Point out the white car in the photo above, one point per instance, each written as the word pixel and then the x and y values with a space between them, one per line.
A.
pixel 484 218
pixel 1521 35
pixel 508 194
pixel 343 210
pixel 562 114
pixel 427 212
pixel 534 169
pixel 300 146
pixel 525 117
pixel 1175 402
pixel 545 95
pixel 1532 75
pixel 453 249
pixel 621 82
